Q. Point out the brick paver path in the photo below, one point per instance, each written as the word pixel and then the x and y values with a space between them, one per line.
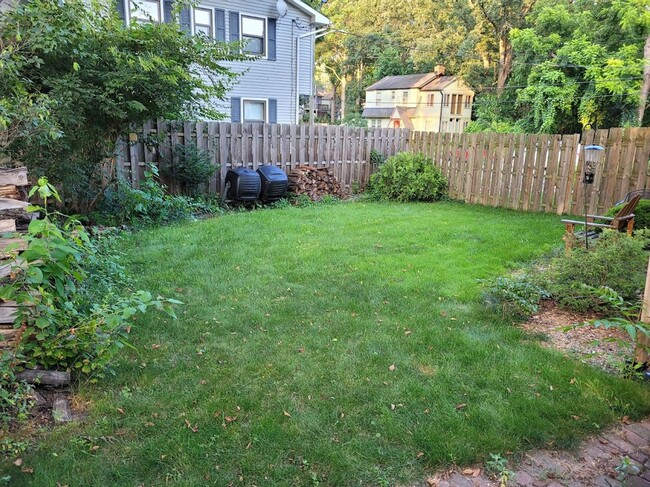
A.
pixel 594 464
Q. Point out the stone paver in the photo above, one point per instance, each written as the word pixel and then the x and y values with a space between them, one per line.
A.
pixel 594 465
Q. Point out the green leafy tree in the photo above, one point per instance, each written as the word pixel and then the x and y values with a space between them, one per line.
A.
pixel 75 77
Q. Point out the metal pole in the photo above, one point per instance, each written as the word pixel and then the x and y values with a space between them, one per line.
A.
pixel 585 208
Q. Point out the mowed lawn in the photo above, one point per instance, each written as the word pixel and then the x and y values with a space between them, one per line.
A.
pixel 334 345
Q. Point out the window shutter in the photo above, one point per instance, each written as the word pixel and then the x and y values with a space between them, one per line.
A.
pixel 271 27
pixel 235 109
pixel 234 26
pixel 121 11
pixel 186 23
pixel 220 24
pixel 273 110
pixel 168 16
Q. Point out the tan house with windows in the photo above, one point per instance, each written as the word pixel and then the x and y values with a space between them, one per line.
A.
pixel 430 102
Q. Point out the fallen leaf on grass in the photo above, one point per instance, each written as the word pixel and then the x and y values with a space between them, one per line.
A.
pixel 230 419
pixel 431 482
pixel 155 346
pixel 301 350
pixel 474 472
pixel 287 414
pixel 18 462
pixel 625 420
pixel 392 367
pixel 27 470
pixel 460 407
pixel 193 429
pixel 576 417
pixel 121 411
pixel 149 424
pixel 420 454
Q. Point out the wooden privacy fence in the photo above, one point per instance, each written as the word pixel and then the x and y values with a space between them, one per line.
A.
pixel 530 172
pixel 538 172
pixel 345 150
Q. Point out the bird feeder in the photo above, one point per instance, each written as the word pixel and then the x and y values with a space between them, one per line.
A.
pixel 592 154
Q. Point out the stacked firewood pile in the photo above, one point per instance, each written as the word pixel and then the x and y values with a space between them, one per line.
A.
pixel 314 182
pixel 13 218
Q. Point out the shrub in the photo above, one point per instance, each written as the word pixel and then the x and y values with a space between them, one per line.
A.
pixel 617 261
pixel 641 214
pixel 64 330
pixel 517 296
pixel 15 396
pixel 409 177
pixel 192 167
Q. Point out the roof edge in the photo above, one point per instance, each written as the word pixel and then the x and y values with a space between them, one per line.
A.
pixel 318 17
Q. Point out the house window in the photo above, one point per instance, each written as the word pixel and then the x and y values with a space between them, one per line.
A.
pixel 253 31
pixel 459 105
pixel 378 97
pixel 446 100
pixel 145 11
pixel 430 99
pixel 203 21
pixel 392 96
pixel 253 110
pixel 468 101
pixel 405 96
pixel 453 104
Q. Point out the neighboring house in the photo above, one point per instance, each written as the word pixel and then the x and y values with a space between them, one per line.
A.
pixel 324 102
pixel 430 102
pixel 279 34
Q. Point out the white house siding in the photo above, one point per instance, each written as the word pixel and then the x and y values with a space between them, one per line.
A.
pixel 264 79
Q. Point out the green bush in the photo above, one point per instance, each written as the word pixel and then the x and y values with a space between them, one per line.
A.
pixel 192 167
pixel 64 330
pixel 409 177
pixel 641 214
pixel 617 261
pixel 517 296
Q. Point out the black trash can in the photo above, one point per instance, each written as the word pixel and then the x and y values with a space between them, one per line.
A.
pixel 274 183
pixel 242 184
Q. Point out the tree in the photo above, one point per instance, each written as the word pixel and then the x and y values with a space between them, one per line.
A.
pixel 75 78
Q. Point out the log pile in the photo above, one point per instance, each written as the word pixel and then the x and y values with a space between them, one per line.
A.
pixel 314 182
pixel 13 218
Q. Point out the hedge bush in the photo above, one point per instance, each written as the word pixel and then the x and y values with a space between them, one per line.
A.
pixel 409 177
pixel 641 214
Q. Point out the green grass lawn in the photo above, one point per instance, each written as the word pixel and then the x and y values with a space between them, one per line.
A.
pixel 334 345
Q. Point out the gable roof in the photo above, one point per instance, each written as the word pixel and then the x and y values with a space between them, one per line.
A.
pixel 377 112
pixel 402 82
pixel 404 114
pixel 317 17
pixel 439 83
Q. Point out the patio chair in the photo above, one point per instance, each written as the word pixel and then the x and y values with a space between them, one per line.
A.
pixel 645 195
pixel 623 221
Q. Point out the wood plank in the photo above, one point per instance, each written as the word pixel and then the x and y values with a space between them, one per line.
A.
pixel 550 181
pixel 7 226
pixel 541 155
pixel 8 312
pixel 224 153
pixel 213 151
pixel 16 244
pixel 15 177
pixel 529 169
pixel 9 191
pixel 44 377
pixel 499 161
pixel 519 161
pixel 9 267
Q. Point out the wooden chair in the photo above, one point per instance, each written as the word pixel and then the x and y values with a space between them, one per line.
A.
pixel 623 221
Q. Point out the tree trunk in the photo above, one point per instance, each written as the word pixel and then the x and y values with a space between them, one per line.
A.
pixel 645 88
pixel 505 62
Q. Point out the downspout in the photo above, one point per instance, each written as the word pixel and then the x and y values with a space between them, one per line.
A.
pixel 442 105
pixel 314 33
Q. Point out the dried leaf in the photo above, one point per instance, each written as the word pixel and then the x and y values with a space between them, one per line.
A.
pixel 431 482
pixel 392 407
pixel 572 381
pixel 625 420
pixel 120 410
pixel 18 462
pixel 407 332
pixel 576 417
pixel 420 454
pixel 287 414
pixel 460 407
pixel 249 446
pixel 155 346
pixel 27 470
pixel 301 350
pixel 392 367
pixel 474 472
pixel 230 419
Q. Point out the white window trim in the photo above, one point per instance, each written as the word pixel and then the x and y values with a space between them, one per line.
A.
pixel 266 35
pixel 127 11
pixel 266 109
pixel 212 16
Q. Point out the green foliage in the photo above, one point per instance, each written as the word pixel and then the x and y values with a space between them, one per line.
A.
pixel 192 167
pixel 517 296
pixel 15 396
pixel 641 214
pixel 354 120
pixel 498 467
pixel 74 78
pixel 150 204
pixel 618 261
pixel 63 331
pixel 377 158
pixel 409 177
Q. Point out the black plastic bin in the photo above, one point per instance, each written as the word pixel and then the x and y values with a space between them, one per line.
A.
pixel 243 184
pixel 274 183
